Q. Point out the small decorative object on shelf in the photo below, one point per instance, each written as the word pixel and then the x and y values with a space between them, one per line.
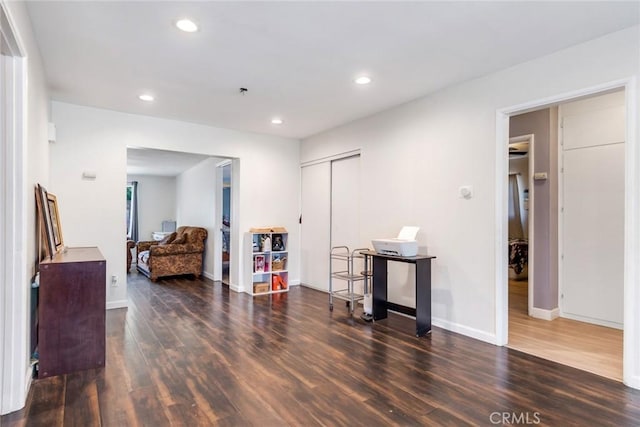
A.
pixel 279 262
pixel 268 260
pixel 278 244
pixel 277 283
pixel 259 264
pixel 266 243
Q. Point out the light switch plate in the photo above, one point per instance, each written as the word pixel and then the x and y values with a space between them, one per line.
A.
pixel 539 176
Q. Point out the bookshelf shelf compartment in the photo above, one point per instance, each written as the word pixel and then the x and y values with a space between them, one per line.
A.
pixel 267 262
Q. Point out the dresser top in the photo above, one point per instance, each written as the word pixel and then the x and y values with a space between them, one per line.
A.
pixel 84 254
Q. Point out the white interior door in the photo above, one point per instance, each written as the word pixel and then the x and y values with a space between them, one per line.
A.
pixel 592 214
pixel 315 230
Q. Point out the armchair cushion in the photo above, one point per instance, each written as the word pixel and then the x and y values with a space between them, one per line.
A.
pixel 180 240
pixel 168 239
pixel 183 255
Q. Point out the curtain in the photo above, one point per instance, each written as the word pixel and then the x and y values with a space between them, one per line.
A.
pixel 134 212
pixel 515 222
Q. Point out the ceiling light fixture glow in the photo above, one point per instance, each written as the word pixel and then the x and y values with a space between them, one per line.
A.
pixel 277 121
pixel 187 25
pixel 146 97
pixel 363 80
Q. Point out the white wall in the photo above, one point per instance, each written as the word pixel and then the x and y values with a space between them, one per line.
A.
pixel 414 158
pixel 196 204
pixel 156 202
pixel 92 212
pixel 15 348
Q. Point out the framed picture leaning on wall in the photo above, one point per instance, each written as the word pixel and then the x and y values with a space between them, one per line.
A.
pixel 48 218
pixel 52 203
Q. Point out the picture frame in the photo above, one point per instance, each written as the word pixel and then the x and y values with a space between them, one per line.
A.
pixel 42 248
pixel 44 218
pixel 259 264
pixel 52 204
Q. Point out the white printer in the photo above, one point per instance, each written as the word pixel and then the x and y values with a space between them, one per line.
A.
pixel 403 245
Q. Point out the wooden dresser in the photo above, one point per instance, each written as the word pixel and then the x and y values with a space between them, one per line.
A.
pixel 71 312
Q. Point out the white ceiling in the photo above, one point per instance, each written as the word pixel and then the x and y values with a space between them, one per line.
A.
pixel 142 161
pixel 297 59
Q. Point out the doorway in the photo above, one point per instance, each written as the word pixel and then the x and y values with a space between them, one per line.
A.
pixel 521 222
pixel 578 183
pixel 225 226
pixel 183 189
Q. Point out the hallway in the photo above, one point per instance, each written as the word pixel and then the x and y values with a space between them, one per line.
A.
pixel 592 348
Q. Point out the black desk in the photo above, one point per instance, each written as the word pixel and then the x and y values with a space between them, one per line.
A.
pixel 423 289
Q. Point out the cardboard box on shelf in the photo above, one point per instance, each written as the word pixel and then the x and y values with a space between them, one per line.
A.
pixel 260 287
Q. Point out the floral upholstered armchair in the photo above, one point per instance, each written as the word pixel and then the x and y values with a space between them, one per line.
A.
pixel 178 253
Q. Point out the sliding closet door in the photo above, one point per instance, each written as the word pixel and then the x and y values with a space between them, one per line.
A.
pixel 315 230
pixel 330 216
pixel 345 209
pixel 345 202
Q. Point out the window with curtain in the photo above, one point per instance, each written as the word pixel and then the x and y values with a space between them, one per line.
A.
pixel 132 210
pixel 515 221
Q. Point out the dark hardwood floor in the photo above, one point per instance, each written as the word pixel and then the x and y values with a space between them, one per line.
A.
pixel 192 353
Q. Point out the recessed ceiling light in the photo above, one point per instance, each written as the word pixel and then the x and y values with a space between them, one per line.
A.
pixel 146 97
pixel 363 80
pixel 277 121
pixel 187 25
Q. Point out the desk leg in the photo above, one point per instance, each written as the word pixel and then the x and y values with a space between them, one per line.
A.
pixel 423 297
pixel 379 288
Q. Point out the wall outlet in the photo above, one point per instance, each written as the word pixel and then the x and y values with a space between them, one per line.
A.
pixel 114 281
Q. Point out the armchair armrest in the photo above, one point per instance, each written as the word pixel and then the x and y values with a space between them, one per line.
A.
pixel 145 245
pixel 176 249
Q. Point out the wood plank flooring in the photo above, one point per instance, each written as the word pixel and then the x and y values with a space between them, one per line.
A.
pixel 192 353
pixel 581 345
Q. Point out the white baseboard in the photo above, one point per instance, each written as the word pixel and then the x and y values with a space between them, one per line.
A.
pixel 444 324
pixel 593 321
pixel 294 282
pixel 27 381
pixel 633 382
pixel 123 303
pixel 235 288
pixel 14 400
pixel 465 330
pixel 541 313
pixel 306 285
pixel 208 275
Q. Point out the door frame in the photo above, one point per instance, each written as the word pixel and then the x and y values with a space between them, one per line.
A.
pixel 15 370
pixel 631 340
pixel 530 138
pixel 217 238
